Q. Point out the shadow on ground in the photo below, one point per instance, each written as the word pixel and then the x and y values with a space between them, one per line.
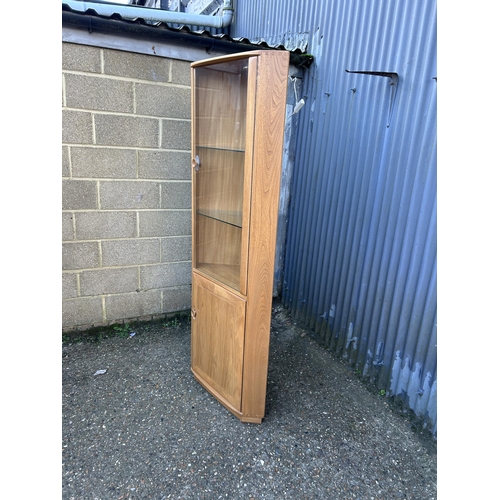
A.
pixel 146 429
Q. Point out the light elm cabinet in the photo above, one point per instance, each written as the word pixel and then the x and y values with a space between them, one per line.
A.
pixel 238 118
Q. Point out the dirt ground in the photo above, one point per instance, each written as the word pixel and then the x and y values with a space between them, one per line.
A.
pixel 146 429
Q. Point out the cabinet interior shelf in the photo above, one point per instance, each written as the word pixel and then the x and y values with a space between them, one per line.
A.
pixel 220 148
pixel 225 273
pixel 231 217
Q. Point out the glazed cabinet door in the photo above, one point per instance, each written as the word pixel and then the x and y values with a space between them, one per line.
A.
pixel 222 135
pixel 217 340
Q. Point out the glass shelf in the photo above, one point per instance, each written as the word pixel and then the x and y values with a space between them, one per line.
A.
pixel 219 148
pixel 231 217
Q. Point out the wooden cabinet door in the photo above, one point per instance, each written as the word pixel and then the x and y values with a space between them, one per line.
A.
pixel 217 340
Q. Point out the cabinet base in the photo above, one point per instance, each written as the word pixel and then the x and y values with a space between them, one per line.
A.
pixel 251 420
pixel 247 419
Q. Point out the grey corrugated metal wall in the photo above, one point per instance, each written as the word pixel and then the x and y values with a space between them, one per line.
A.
pixel 360 262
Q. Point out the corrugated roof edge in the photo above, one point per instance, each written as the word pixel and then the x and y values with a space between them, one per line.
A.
pixel 139 27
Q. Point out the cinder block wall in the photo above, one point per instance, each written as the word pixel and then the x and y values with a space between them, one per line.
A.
pixel 126 211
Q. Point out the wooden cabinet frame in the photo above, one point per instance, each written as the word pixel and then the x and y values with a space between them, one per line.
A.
pixel 238 118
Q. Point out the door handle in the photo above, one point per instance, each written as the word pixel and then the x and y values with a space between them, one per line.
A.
pixel 193 313
pixel 196 162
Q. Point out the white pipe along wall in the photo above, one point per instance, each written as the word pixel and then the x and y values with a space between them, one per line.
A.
pixel 157 15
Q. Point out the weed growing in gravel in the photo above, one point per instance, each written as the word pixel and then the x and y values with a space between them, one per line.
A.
pixel 172 323
pixel 122 331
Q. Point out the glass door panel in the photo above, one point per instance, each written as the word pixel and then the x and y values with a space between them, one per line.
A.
pixel 219 114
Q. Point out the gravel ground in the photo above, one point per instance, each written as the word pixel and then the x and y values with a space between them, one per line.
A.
pixel 146 429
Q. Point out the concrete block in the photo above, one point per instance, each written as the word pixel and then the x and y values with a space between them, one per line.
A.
pixel 67 227
pixel 177 248
pixel 129 194
pixel 176 195
pixel 176 134
pixel 133 305
pixel 76 127
pixel 164 223
pixel 69 286
pixel 177 299
pixel 162 101
pixel 79 195
pixel 105 225
pixel 81 311
pixel 181 72
pixel 98 93
pixel 103 162
pixel 82 255
pixel 165 275
pixel 76 57
pixel 104 281
pixel 166 165
pixel 136 66
pixel 130 131
pixel 130 252
pixel 66 172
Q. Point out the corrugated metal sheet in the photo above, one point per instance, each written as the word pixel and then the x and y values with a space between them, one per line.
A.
pixel 89 18
pixel 360 263
pixel 214 33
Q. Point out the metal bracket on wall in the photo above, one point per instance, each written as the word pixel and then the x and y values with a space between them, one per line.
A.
pixel 394 83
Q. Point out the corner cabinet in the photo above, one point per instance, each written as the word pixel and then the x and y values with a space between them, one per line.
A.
pixel 238 118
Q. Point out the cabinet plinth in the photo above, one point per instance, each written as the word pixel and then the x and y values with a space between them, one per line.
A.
pixel 238 116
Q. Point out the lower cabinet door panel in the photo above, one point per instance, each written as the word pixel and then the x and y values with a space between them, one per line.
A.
pixel 217 339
